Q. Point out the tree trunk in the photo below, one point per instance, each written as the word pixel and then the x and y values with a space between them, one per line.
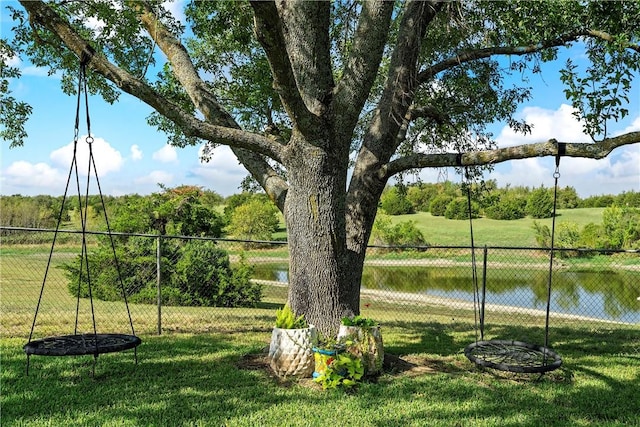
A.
pixel 315 216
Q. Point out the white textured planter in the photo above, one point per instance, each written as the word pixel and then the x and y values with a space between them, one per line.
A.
pixel 366 344
pixel 290 351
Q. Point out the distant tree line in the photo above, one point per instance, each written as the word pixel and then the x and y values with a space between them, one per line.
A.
pixel 189 210
pixel 183 210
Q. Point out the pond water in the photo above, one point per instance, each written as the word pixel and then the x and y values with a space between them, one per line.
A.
pixel 607 295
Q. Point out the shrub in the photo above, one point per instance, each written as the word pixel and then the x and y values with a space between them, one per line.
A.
pixel 136 262
pixel 458 208
pixel 201 276
pixel 394 202
pixel 420 196
pixel 204 273
pixel 540 204
pixel 402 234
pixel 255 220
pixel 567 236
pixel 439 204
pixel 507 207
pixel 621 227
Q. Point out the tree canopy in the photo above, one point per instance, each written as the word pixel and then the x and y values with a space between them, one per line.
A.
pixel 304 92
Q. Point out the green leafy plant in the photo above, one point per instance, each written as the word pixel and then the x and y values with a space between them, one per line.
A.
pixel 359 321
pixel 344 370
pixel 287 319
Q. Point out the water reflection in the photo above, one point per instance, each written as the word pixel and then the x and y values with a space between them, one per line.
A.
pixel 605 295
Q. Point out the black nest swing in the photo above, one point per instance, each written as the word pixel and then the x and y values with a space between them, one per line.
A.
pixel 94 343
pixel 511 355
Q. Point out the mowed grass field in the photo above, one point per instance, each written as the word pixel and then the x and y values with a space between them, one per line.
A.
pixel 439 230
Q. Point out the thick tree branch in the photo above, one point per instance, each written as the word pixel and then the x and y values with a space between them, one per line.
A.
pixel 241 142
pixel 305 27
pixel 380 141
pixel 204 100
pixel 269 32
pixel 45 16
pixel 183 67
pixel 596 150
pixel 473 55
pixel 361 67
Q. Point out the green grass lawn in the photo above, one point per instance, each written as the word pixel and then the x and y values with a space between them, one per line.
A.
pixel 216 379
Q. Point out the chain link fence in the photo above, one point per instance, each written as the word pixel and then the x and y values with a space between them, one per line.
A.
pixel 484 286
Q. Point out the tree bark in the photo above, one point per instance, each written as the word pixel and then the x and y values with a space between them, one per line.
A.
pixel 315 216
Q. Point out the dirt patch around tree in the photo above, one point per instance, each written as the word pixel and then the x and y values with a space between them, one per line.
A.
pixel 406 366
pixel 393 365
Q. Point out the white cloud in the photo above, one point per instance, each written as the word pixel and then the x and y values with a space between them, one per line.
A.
pixel 136 152
pixel 618 172
pixel 176 8
pixel 39 178
pixel 156 177
pixel 633 127
pixel 559 124
pixel 13 62
pixel 166 154
pixel 222 173
pixel 107 158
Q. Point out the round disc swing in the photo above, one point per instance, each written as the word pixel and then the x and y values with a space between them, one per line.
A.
pixel 511 355
pixel 77 343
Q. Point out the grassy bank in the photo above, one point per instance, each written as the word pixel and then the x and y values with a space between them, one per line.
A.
pixel 438 230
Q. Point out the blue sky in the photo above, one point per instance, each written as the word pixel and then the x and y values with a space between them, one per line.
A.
pixel 132 157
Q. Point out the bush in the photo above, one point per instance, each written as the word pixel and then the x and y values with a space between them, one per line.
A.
pixel 593 236
pixel 507 207
pixel 621 227
pixel 201 276
pixel 439 204
pixel 402 234
pixel 420 196
pixel 458 208
pixel 136 262
pixel 204 273
pixel 567 236
pixel 394 202
pixel 540 204
pixel 254 220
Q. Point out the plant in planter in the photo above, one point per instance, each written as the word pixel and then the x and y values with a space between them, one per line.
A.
pixel 324 353
pixel 292 340
pixel 363 340
pixel 344 370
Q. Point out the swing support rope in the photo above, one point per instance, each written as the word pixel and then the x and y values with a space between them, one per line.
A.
pixel 511 355
pixel 92 343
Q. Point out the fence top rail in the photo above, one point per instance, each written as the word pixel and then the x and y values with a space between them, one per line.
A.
pixel 284 242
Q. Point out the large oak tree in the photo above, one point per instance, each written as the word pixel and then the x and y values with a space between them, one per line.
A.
pixel 305 92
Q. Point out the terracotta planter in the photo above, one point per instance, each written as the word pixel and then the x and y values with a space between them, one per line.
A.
pixel 366 343
pixel 290 351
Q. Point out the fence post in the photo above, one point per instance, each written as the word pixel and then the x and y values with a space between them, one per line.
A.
pixel 158 279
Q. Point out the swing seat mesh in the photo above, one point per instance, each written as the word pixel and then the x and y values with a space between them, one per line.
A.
pixel 513 356
pixel 81 344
